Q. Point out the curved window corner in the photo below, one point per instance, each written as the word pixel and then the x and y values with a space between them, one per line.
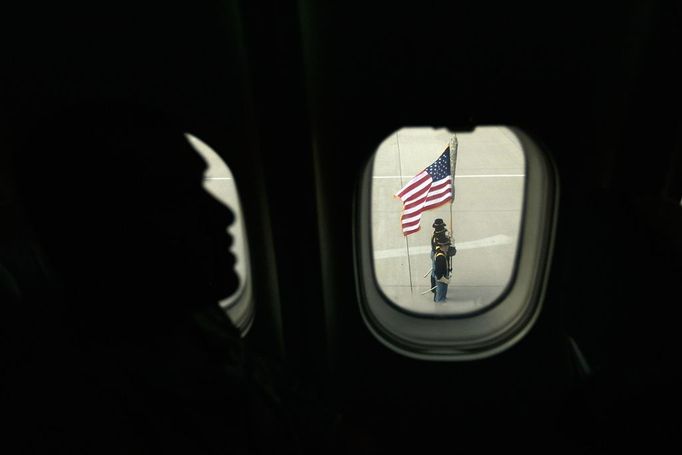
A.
pixel 219 182
pixel 492 195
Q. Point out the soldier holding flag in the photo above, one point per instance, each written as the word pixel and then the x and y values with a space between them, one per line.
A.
pixel 441 275
pixel 438 230
pixel 429 189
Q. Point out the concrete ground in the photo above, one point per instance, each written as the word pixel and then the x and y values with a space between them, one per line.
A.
pixel 489 184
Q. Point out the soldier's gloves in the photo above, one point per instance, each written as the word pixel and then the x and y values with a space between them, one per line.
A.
pixel 444 280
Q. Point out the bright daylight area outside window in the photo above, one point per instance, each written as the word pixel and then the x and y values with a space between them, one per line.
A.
pixel 219 182
pixel 483 219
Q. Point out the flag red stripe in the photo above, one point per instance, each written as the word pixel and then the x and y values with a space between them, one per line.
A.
pixel 416 203
pixel 439 204
pixel 440 185
pixel 424 198
pixel 411 223
pixel 436 196
pixel 413 185
pixel 416 196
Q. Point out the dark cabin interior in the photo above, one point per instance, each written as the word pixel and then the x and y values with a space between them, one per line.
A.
pixel 295 97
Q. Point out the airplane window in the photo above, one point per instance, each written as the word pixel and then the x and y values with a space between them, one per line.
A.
pixel 478 211
pixel 219 182
pixel 454 233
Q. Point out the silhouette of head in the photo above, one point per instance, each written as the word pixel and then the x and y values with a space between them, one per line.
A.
pixel 114 193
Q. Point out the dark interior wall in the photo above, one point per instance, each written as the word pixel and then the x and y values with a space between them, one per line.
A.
pixel 184 59
pixel 188 60
pixel 310 90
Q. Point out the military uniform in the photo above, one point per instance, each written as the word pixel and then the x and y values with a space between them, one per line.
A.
pixel 440 274
pixel 439 229
pixel 440 241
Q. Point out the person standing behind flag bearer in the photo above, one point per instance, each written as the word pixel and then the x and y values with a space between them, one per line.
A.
pixel 440 270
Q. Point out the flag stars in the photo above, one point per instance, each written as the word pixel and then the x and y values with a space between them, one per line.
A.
pixel 427 190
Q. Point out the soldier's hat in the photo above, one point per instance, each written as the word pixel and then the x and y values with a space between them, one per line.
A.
pixel 439 224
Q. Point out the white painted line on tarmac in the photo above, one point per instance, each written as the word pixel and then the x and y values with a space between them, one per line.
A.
pixel 495 240
pixel 456 176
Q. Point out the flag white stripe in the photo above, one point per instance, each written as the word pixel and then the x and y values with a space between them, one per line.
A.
pixel 428 194
pixel 416 178
pixel 422 207
pixel 423 193
pixel 440 191
pixel 417 198
pixel 411 182
pixel 415 208
pixel 446 179
pixel 412 218
pixel 436 201
pixel 416 190
pixel 411 228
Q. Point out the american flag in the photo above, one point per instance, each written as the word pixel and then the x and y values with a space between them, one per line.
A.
pixel 427 190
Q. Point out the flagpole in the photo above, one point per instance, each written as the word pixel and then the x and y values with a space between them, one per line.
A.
pixel 453 164
pixel 407 244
